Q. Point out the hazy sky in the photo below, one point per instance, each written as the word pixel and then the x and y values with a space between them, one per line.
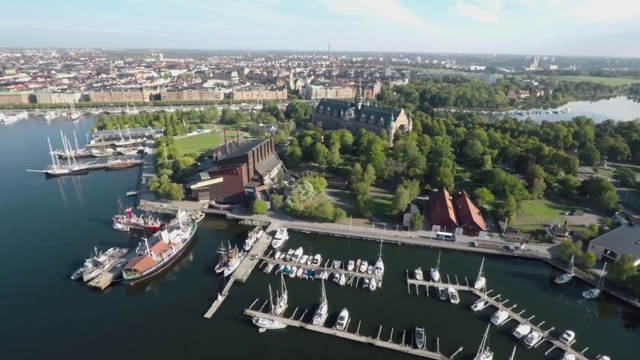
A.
pixel 563 27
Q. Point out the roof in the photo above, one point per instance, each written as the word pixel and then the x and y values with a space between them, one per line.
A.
pixel 623 240
pixel 243 148
pixel 266 166
pixel 440 208
pixel 366 113
pixel 468 213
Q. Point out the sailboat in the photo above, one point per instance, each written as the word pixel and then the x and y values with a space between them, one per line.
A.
pixel 282 298
pixel 379 267
pixel 323 309
pixel 484 352
pixel 595 292
pixel 268 323
pixel 566 277
pixel 435 272
pixel 481 281
pixel 73 115
pixel 58 169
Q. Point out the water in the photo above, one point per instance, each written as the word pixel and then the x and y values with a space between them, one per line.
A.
pixel 618 108
pixel 51 225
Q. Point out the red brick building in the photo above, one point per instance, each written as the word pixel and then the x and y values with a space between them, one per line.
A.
pixel 441 211
pixel 469 216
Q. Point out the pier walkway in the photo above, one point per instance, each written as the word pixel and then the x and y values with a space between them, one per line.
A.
pixel 353 336
pixel 501 304
pixel 244 269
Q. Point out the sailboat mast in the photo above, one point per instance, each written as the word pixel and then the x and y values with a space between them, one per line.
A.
pixel 572 264
pixel 271 300
pixel 483 343
pixel 53 162
pixel 604 267
pixel 480 271
pixel 283 286
pixel 438 263
pixel 75 139
pixel 66 149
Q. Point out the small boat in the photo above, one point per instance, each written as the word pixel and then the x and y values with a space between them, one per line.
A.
pixel 337 264
pixel 252 237
pixel 435 272
pixel 343 319
pixel 309 260
pixel 299 272
pixel 293 271
pixel 418 337
pixel 454 298
pixel 567 337
pixel 521 331
pixel 50 115
pixel 481 281
pixel 484 352
pixel 304 258
pixel 532 339
pixel 280 238
pixel 417 274
pixel 281 298
pixel 363 266
pixel 350 265
pixel 317 259
pixel 365 283
pixel 595 292
pixel 357 267
pixel 373 285
pixel 277 255
pixel 320 316
pixel 499 317
pixel 378 268
pixel 603 357
pixel 297 254
pixel 343 280
pixel 568 356
pixel 479 304
pixel 289 255
pixel 269 267
pixel 442 293
pixel 566 277
pixel 268 323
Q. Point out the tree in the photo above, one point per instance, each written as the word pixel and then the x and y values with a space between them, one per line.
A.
pixel 601 191
pixel 623 268
pixel 626 176
pixel 416 221
pixel 567 249
pixel 163 187
pixel 320 155
pixel 334 159
pixel 259 207
pixel 400 200
pixel 318 182
pixel 293 154
pixel 589 259
pixel 589 156
pixel 276 201
pixel 506 209
pixel 568 184
pixel 297 111
pixel 483 196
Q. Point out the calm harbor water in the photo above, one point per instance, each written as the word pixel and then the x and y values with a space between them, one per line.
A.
pixel 618 108
pixel 51 225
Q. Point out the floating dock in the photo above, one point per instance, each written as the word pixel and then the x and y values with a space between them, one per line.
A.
pixel 501 304
pixel 378 341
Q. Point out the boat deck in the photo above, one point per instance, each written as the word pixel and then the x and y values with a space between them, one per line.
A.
pixel 353 336
pixel 501 304
pixel 101 281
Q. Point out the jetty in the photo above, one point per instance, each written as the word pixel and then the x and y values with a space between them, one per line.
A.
pixel 244 269
pixel 499 303
pixel 378 341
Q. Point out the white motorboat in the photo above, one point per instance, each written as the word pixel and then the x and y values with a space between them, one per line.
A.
pixel 567 337
pixel 479 305
pixel 299 272
pixel 454 298
pixel 566 277
pixel 370 270
pixel 365 283
pixel 363 266
pixel 595 292
pixel 378 268
pixel 268 324
pixel 309 260
pixel 521 331
pixel 293 271
pixel 50 115
pixel 568 356
pixel 343 280
pixel 481 281
pixel 337 264
pixel 269 267
pixel 499 317
pixel 603 357
pixel 435 271
pixel 532 339
pixel 442 293
pixel 484 352
pixel 252 237
pixel 320 316
pixel 297 254
pixel 373 284
pixel 289 255
pixel 277 255
pixel 280 238
pixel 343 320
pixel 417 274
pixel 418 337
pixel 317 260
pixel 304 258
pixel 350 265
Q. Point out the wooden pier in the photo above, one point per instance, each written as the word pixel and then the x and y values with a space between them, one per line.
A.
pixel 244 269
pixel 501 304
pixel 353 336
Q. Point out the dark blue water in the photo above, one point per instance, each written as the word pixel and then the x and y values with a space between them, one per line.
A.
pixel 51 225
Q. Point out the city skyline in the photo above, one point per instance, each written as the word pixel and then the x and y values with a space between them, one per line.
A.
pixel 553 27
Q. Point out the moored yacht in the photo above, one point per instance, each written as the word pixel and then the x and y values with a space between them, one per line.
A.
pixel 350 265
pixel 269 323
pixel 568 356
pixel 454 298
pixel 280 238
pixel 252 237
pixel 566 277
pixel 378 268
pixel 499 317
pixel 595 292
pixel 484 352
pixel 479 304
pixel 567 337
pixel 442 293
pixel 532 339
pixel 418 337
pixel 417 274
pixel 363 266
pixel 521 331
pixel 321 313
pixel 343 320
pixel 297 254
pixel 481 281
pixel 435 271
pixel 373 284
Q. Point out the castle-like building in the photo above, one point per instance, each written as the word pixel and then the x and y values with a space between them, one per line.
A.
pixel 340 114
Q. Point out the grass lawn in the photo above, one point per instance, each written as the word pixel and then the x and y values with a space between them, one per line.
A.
pixel 199 143
pixel 611 81
pixel 535 214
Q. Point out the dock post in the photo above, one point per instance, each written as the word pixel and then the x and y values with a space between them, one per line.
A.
pixel 455 353
pixel 403 334
pixel 391 335
pixel 457 283
pixel 438 345
pixel 379 331
pixel 358 329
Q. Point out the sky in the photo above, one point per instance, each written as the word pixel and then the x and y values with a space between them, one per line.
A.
pixel 554 27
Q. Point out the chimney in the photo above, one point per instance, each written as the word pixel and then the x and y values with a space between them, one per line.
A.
pixel 226 142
